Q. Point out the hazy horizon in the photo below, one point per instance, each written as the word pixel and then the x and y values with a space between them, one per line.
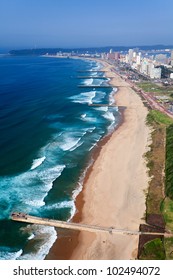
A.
pixel 78 24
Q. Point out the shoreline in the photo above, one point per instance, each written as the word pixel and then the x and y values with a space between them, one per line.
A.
pixel 64 245
pixel 84 245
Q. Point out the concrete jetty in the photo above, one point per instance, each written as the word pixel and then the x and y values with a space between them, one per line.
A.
pixel 22 217
pixel 93 77
pixel 83 71
pixel 102 105
pixel 94 86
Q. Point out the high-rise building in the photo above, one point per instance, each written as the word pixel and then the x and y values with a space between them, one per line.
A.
pixel 156 73
pixel 127 58
pixel 134 54
pixel 130 56
pixel 111 55
pixel 117 55
pixel 138 59
pixel 144 67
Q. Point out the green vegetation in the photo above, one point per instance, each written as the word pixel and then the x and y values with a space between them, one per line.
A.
pixel 156 203
pixel 156 160
pixel 167 210
pixel 168 244
pixel 153 250
pixel 156 88
pixel 169 162
pixel 155 116
pixel 150 87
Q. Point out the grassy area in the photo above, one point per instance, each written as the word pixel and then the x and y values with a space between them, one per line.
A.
pixel 168 244
pixel 169 162
pixel 150 87
pixel 156 203
pixel 153 250
pixel 157 89
pixel 158 118
pixel 153 87
pixel 167 210
pixel 156 160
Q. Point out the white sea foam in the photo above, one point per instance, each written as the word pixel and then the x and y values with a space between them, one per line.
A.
pixel 36 202
pixel 31 236
pixel 92 146
pixel 99 96
pixel 103 108
pixel 71 138
pixel 91 129
pixel 111 127
pixel 111 96
pixel 83 116
pixel 91 119
pixel 109 116
pixel 37 162
pixel 76 146
pixel 5 254
pixel 47 176
pixel 93 74
pixel 88 82
pixel 63 204
pixel 69 143
pixel 35 186
pixel 98 67
pixel 46 237
pixel 83 97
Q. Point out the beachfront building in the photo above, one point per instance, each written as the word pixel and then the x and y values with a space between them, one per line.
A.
pixel 144 67
pixel 156 73
pixel 130 56
pixel 113 55
pixel 117 55
pixel 138 59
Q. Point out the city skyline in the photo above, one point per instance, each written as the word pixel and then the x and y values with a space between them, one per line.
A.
pixel 78 24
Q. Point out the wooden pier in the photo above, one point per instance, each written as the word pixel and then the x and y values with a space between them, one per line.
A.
pixel 22 217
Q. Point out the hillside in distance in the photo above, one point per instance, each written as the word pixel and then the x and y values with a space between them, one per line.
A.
pixel 42 51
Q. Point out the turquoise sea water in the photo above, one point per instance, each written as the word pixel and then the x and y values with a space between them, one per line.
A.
pixel 47 135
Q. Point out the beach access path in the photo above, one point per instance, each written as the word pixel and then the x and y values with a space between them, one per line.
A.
pixel 114 193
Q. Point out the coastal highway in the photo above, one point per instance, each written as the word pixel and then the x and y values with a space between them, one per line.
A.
pixel 154 104
pixel 21 217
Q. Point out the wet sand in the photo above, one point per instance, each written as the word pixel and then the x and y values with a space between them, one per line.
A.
pixel 113 193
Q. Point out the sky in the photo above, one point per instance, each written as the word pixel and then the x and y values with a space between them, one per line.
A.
pixel 80 23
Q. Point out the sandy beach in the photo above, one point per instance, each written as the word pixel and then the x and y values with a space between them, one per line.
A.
pixel 113 193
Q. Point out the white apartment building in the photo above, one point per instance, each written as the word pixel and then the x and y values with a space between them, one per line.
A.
pixel 155 73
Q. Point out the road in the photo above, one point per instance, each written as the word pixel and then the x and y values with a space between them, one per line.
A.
pixel 148 97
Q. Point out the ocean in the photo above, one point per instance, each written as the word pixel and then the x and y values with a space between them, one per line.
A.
pixel 48 132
